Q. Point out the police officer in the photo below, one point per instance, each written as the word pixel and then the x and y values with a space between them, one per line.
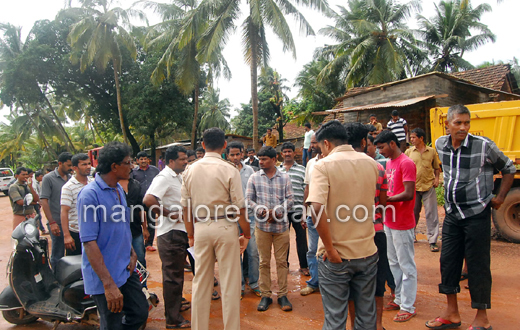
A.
pixel 213 201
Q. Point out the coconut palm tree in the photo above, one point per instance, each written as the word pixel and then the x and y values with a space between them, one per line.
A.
pixel 215 112
pixel 182 62
pixel 97 39
pixel 374 43
pixel 272 83
pixel 449 33
pixel 17 74
pixel 262 14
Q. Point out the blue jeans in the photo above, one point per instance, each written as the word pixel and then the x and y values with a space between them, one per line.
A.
pixel 353 279
pixel 58 247
pixel 252 259
pixel 402 264
pixel 312 261
pixel 306 156
pixel 140 250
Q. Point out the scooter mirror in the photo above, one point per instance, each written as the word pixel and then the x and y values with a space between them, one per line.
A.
pixel 28 199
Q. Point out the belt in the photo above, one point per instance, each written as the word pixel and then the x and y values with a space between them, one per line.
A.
pixel 218 217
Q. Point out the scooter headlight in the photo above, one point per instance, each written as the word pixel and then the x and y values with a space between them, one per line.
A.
pixel 30 229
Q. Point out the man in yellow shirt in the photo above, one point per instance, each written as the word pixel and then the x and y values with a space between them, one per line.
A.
pixel 270 139
pixel 373 121
pixel 428 170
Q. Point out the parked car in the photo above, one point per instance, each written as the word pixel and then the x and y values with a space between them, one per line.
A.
pixel 6 175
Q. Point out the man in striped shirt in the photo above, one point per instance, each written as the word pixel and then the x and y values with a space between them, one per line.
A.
pixel 399 127
pixel 297 174
pixel 69 196
pixel 468 164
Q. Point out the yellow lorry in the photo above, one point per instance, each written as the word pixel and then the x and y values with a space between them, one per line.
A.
pixel 497 121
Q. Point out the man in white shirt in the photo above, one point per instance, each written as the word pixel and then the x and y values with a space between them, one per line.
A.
pixel 69 196
pixel 307 144
pixel 163 198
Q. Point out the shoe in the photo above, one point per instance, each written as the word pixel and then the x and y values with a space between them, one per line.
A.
pixel 215 295
pixel 242 295
pixel 307 291
pixel 264 304
pixel 434 247
pixel 215 281
pixel 285 304
pixel 151 248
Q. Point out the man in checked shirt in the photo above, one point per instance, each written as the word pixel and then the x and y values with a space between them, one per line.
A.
pixel 468 163
pixel 269 195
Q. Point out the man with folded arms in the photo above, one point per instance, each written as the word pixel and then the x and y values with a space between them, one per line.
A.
pixel 341 195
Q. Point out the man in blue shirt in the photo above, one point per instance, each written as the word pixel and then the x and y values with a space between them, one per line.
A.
pixel 109 261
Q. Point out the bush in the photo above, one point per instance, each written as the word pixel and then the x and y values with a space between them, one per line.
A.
pixel 440 195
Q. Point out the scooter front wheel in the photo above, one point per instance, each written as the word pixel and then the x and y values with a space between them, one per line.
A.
pixel 18 316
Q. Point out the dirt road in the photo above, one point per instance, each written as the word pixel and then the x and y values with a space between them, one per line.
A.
pixel 308 313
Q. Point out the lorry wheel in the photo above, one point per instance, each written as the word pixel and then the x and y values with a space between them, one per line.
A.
pixel 507 217
pixel 13 316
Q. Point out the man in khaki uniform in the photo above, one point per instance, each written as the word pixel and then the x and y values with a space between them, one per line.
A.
pixel 213 201
pixel 341 195
pixel 428 170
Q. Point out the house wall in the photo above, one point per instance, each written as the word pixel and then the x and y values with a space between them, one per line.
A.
pixel 417 115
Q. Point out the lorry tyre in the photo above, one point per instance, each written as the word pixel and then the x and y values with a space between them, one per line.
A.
pixel 13 316
pixel 507 217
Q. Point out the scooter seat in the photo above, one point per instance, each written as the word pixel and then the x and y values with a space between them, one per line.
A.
pixel 68 270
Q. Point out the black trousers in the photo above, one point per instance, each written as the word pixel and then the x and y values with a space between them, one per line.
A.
pixel 151 223
pixel 77 243
pixel 172 251
pixel 135 307
pixel 470 238
pixel 301 238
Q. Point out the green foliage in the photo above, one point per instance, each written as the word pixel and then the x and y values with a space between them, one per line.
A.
pixel 451 32
pixel 439 191
pixel 214 111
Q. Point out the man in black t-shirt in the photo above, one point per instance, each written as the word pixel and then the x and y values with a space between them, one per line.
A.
pixel 138 224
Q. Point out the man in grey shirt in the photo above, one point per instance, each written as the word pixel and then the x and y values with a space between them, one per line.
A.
pixel 50 201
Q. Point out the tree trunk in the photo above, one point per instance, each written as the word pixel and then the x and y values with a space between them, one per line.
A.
pixel 96 131
pixel 133 141
pixel 195 116
pixel 63 132
pixel 280 125
pixel 152 149
pixel 254 86
pixel 42 136
pixel 119 106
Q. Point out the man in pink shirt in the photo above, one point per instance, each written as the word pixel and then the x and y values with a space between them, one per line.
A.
pixel 399 224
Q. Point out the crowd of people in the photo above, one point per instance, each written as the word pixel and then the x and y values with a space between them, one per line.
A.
pixel 354 204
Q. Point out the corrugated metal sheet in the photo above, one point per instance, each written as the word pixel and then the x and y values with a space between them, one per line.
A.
pixel 391 104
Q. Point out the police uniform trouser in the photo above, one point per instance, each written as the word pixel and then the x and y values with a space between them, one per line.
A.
pixel 216 240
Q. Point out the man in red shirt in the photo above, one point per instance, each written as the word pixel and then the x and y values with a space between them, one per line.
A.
pixel 400 223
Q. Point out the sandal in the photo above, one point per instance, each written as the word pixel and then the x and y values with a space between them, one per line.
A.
pixel 445 324
pixel 185 305
pixel 403 317
pixel 257 292
pixel 480 328
pixel 391 306
pixel 215 295
pixel 434 248
pixel 463 276
pixel 305 271
pixel 183 325
pixel 215 281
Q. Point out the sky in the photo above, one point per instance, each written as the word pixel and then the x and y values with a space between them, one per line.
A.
pixel 238 90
